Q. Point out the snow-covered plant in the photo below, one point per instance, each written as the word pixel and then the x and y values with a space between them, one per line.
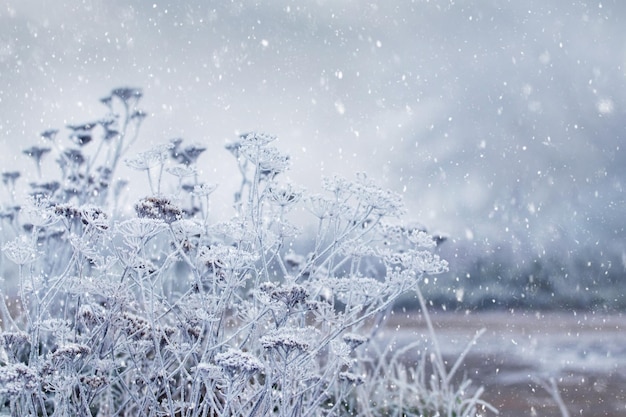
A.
pixel 167 312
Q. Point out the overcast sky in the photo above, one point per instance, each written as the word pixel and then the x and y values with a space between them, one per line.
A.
pixel 498 120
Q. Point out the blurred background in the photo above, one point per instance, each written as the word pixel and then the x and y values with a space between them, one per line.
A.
pixel 501 122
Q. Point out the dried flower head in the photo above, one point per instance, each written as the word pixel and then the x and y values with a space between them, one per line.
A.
pixel 135 326
pixel 10 212
pixel 38 212
pixel 157 155
pixel 81 138
pixel 181 171
pixel 110 134
pixel 94 382
pixel 107 101
pixel 67 211
pixel 233 148
pixel 418 261
pixel 49 134
pixel 127 94
pixel 188 155
pixel 341 350
pixel 354 340
pixel 354 290
pixel 16 379
pixel 269 160
pixel 138 115
pixel 13 340
pixel 85 127
pixel 224 257
pixel 293 260
pixel 45 188
pixel 9 178
pixel 203 190
pixel 158 208
pixel 94 216
pixel 323 207
pixel 75 156
pixel 237 362
pixel 141 228
pixel 36 152
pixel 91 315
pixel 290 295
pixel 287 339
pixel 351 378
pixel 356 248
pixel 256 139
pixel 208 371
pixel 70 352
pixel 284 195
pixel 420 238
pixel 20 250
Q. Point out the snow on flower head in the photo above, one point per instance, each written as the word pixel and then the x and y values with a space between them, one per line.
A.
pixel 235 361
pixel 203 190
pixel 20 250
pixel 353 340
pixel 269 159
pixel 288 339
pixel 351 378
pixel 226 257
pixel 256 139
pixel 158 208
pixel 16 378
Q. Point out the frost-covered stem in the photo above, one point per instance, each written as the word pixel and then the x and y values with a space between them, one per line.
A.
pixel 23 296
pixel 365 232
pixel 38 165
pixel 211 347
pixel 552 388
pixel 10 186
pixel 159 177
pixel 181 252
pixel 471 404
pixel 120 377
pixel 238 202
pixel 283 386
pixel 325 392
pixel 462 356
pixel 279 259
pixel 150 180
pixel 252 196
pixel 392 298
pixel 255 206
pixel 431 330
pixel 92 160
pixel 162 367
pixel 230 395
pixel 328 251
pixel 6 315
pixel 42 405
pixel 132 140
pixel 56 287
pixel 205 219
pixel 318 399
pixel 214 403
pixel 319 238
pixel 120 139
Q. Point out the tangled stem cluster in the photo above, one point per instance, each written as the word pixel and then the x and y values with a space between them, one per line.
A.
pixel 165 312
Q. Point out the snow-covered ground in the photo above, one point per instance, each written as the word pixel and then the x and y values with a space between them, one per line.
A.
pixel 585 352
